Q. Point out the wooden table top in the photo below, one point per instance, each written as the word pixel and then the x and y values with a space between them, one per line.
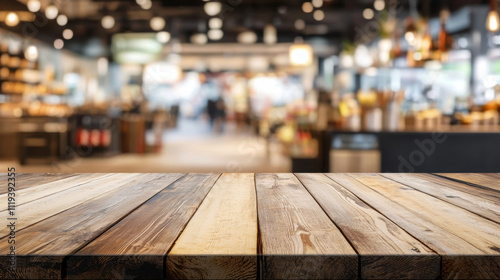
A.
pixel 298 226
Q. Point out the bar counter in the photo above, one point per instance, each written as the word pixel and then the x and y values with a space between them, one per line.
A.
pixel 253 226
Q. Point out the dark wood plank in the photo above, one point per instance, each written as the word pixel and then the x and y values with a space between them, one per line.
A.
pixel 474 178
pixel 468 244
pixel 28 180
pixel 220 240
pixel 136 247
pixel 385 250
pixel 68 196
pixel 298 240
pixel 41 248
pixel 476 204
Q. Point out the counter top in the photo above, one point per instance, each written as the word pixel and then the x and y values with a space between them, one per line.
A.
pixel 440 129
pixel 228 226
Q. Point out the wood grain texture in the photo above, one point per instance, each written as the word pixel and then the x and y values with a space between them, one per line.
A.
pixel 298 240
pixel 463 199
pixel 484 180
pixel 220 241
pixel 136 247
pixel 467 243
pixel 42 247
pixel 28 180
pixel 385 250
pixel 35 211
pixel 483 192
pixel 26 195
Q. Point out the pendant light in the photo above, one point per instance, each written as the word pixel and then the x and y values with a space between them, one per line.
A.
pixel 493 20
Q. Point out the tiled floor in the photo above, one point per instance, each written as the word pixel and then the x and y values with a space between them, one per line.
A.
pixel 190 148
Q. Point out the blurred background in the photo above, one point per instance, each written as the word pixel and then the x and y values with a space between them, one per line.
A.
pixel 249 85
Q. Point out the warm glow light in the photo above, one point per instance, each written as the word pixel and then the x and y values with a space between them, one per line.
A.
pixel 215 34
pixel 317 3
pixel 12 19
pixel 410 37
pixel 199 39
pixel 215 23
pixel 141 2
pixel 300 24
pixel 247 37
pixel 31 53
pixel 33 5
pixel 68 34
pixel 163 37
pixel 301 55
pixel 51 12
pixel 379 5
pixel 368 14
pixel 319 15
pixel 307 7
pixel 212 8
pixel 108 22
pixel 62 20
pixel 270 34
pixel 58 44
pixel 147 5
pixel 493 21
pixel 157 23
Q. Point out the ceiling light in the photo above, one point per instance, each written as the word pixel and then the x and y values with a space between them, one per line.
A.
pixel 317 3
pixel 199 39
pixel 51 12
pixel 301 55
pixel 141 2
pixel 62 20
pixel 493 21
pixel 58 44
pixel 300 24
pixel 108 22
pixel 368 14
pixel 163 37
pixel 379 5
pixel 319 15
pixel 157 23
pixel 215 34
pixel 147 5
pixel 247 37
pixel 33 5
pixel 270 34
pixel 12 19
pixel 307 7
pixel 215 23
pixel 68 34
pixel 31 53
pixel 212 8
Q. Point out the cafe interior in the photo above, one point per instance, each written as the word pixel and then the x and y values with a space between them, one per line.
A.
pixel 279 86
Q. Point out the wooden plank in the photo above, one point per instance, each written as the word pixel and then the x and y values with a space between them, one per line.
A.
pixel 42 190
pixel 385 250
pixel 483 192
pixel 463 199
pixel 41 248
pixel 220 241
pixel 37 210
pixel 136 247
pixel 298 240
pixel 474 178
pixel 28 180
pixel 468 244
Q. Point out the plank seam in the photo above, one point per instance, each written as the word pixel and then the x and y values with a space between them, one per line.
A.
pixel 466 183
pixel 260 253
pixel 65 259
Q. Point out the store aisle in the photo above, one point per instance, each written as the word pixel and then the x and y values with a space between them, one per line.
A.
pixel 190 148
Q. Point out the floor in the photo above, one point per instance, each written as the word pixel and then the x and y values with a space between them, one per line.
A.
pixel 192 147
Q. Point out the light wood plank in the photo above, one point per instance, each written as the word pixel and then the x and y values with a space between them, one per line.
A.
pixel 43 190
pixel 385 250
pixel 137 245
pixel 463 199
pixel 220 241
pixel 37 210
pixel 28 180
pixel 468 244
pixel 298 240
pixel 42 247
pixel 474 178
pixel 483 192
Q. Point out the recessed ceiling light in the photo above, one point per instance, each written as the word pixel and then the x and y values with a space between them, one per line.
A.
pixel 58 44
pixel 212 8
pixel 62 20
pixel 319 15
pixel 215 23
pixel 215 34
pixel 368 14
pixel 33 5
pixel 307 7
pixel 51 12
pixel 157 23
pixel 108 22
pixel 68 34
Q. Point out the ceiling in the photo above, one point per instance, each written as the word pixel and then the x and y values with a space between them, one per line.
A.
pixel 186 17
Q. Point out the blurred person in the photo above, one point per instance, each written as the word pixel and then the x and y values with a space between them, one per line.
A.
pixel 220 116
pixel 211 111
